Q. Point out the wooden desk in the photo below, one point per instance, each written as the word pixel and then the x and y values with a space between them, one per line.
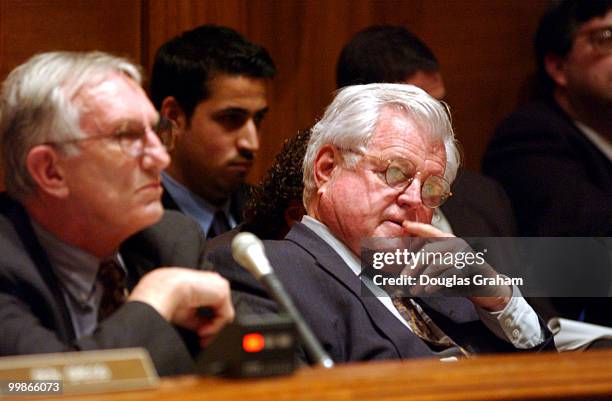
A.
pixel 546 376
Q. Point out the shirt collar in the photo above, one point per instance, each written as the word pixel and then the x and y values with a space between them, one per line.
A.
pixel 326 235
pixel 193 205
pixel 602 143
pixel 76 269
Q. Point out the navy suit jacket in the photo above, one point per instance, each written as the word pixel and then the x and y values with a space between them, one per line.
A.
pixel 237 202
pixel 351 325
pixel 34 315
pixel 559 182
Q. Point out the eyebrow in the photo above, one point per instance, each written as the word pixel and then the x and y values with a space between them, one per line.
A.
pixel 128 124
pixel 241 110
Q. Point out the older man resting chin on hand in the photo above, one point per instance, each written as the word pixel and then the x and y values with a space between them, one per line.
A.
pixel 377 164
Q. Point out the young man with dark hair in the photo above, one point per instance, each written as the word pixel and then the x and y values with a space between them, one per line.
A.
pixel 212 83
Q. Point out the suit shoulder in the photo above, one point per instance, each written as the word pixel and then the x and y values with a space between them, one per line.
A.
pixel 174 222
pixel 538 120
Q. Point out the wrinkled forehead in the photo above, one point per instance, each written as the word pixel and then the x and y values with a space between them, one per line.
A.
pixel 399 127
pixel 112 98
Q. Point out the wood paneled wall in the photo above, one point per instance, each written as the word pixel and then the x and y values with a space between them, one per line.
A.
pixel 484 47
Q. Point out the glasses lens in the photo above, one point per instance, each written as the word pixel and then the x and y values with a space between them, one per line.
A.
pixel 602 39
pixel 132 142
pixel 435 191
pixel 395 177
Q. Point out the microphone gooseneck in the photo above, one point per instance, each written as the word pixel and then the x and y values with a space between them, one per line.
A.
pixel 248 251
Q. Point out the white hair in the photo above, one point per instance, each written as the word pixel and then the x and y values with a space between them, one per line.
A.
pixel 350 121
pixel 36 106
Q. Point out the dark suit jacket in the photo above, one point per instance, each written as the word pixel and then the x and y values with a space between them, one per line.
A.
pixel 350 325
pixel 559 183
pixel 35 318
pixel 237 202
pixel 479 207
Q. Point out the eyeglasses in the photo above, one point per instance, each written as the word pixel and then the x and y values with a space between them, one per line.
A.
pixel 133 140
pixel 600 38
pixel 400 173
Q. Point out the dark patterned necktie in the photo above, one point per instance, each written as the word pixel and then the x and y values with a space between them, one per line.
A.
pixel 113 280
pixel 408 310
pixel 219 224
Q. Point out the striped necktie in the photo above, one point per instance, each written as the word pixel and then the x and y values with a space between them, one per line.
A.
pixel 112 277
pixel 427 331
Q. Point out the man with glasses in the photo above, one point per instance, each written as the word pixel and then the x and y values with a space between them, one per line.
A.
pixel 88 257
pixel 393 54
pixel 554 154
pixel 378 163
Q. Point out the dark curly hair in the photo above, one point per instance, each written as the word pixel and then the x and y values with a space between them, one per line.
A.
pixel 282 185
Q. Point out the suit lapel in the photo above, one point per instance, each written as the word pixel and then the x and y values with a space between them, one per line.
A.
pixel 405 342
pixel 21 222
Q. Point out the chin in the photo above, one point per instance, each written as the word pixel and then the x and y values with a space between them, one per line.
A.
pixel 148 215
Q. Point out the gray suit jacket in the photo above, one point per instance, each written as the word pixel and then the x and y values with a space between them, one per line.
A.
pixel 33 312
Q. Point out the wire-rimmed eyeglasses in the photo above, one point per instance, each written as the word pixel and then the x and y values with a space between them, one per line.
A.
pixel 599 38
pixel 400 173
pixel 132 140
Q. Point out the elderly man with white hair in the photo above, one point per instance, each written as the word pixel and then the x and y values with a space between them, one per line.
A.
pixel 378 163
pixel 88 258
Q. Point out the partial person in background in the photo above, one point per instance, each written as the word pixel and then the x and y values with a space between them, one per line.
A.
pixel 554 154
pixel 479 206
pixel 88 258
pixel 271 210
pixel 212 83
pixel 276 203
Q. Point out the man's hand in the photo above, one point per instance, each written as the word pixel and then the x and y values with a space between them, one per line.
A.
pixel 500 295
pixel 177 293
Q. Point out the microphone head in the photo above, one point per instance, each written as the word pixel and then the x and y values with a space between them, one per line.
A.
pixel 248 251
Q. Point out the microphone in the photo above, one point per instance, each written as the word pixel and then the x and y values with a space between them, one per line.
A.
pixel 248 251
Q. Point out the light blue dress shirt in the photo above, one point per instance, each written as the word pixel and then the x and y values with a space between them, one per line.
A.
pixel 194 206
pixel 76 271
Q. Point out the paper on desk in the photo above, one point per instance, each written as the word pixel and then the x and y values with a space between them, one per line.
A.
pixel 572 335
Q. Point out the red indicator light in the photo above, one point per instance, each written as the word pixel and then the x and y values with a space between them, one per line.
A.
pixel 253 342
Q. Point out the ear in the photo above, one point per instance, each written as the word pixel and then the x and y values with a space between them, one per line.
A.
pixel 172 110
pixel 43 165
pixel 324 165
pixel 555 67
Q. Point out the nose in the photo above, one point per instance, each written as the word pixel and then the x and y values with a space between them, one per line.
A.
pixel 249 137
pixel 154 157
pixel 411 196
